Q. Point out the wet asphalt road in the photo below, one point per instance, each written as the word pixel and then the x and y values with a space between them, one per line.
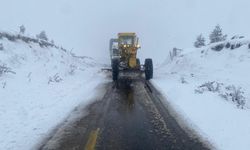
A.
pixel 129 116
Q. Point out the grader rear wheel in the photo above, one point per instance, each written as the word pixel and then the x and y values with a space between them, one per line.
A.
pixel 148 68
pixel 115 69
pixel 138 63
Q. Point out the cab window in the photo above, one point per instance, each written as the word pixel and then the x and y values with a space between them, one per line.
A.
pixel 127 40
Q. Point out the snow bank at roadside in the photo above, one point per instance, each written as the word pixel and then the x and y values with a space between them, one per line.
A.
pixel 204 86
pixel 39 86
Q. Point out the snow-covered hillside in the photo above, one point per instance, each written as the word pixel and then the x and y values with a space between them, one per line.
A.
pixel 40 84
pixel 211 87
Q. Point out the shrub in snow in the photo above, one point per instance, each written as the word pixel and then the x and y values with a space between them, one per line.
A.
pixel 11 37
pixel 63 49
pixel 4 69
pixel 217 35
pixel 237 37
pixel 1 47
pixel 52 42
pixel 235 95
pixel 42 36
pixel 183 80
pixel 4 85
pixel 230 93
pixel 55 78
pixel 232 46
pixel 249 45
pixel 200 41
pixel 209 86
pixel 41 39
pixel 228 45
pixel 29 76
pixel 8 36
pixel 238 45
pixel 72 69
pixel 22 29
pixel 218 47
pixel 45 44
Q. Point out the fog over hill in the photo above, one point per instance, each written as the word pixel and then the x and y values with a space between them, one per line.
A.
pixel 85 26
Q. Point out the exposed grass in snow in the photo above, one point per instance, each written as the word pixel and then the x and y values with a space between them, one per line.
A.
pixel 229 93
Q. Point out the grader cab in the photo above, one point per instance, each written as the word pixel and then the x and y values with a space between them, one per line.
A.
pixel 123 53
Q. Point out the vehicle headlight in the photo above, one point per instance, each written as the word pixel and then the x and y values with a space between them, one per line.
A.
pixel 124 46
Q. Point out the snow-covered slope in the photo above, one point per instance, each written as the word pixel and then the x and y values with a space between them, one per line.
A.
pixel 210 86
pixel 40 84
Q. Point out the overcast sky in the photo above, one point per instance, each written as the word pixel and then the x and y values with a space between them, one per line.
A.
pixel 87 25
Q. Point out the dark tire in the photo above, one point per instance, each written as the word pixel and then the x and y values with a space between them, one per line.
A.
pixel 138 63
pixel 148 68
pixel 115 69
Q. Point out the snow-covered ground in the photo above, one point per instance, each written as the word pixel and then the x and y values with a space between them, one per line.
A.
pixel 39 87
pixel 211 89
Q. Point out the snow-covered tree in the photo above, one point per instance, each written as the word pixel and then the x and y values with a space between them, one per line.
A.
pixel 22 29
pixel 42 36
pixel 217 35
pixel 200 41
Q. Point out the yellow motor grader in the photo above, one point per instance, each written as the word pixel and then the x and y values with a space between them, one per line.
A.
pixel 123 53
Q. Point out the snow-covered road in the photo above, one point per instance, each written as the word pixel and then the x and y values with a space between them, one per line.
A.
pixel 129 116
